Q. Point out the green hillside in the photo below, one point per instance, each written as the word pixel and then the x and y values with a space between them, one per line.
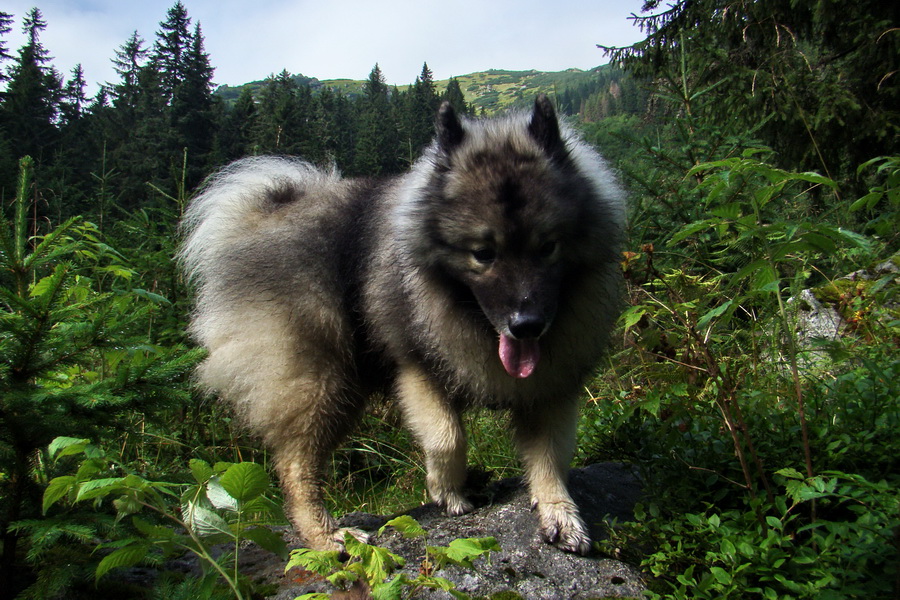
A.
pixel 497 89
pixel 489 91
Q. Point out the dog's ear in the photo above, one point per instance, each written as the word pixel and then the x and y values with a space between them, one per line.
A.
pixel 450 133
pixel 544 128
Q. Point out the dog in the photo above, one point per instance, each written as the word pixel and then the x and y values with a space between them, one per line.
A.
pixel 488 275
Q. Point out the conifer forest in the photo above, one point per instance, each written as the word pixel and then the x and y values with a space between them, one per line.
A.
pixel 758 145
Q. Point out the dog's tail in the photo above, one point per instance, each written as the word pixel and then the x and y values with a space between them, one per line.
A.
pixel 231 200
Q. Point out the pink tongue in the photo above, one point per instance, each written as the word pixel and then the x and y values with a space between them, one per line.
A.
pixel 519 357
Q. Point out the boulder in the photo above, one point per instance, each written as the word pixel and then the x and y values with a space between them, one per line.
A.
pixel 525 564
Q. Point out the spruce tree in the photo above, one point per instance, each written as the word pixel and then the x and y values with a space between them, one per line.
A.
pixel 334 126
pixel 32 97
pixel 74 99
pixel 192 112
pixel 77 151
pixel 454 95
pixel 7 160
pixel 235 134
pixel 144 152
pixel 377 145
pixel 277 114
pixel 422 106
pixel 6 21
pixel 128 62
pixel 170 51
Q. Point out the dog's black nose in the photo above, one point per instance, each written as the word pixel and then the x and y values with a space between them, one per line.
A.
pixel 525 326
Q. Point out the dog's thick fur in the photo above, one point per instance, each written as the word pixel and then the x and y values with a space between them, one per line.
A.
pixel 487 275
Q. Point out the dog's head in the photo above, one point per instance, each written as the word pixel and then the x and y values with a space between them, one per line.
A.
pixel 507 221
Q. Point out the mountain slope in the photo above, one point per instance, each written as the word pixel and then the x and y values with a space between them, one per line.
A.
pixel 487 91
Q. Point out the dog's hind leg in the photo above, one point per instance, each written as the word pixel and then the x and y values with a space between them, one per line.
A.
pixel 438 429
pixel 301 461
pixel 545 436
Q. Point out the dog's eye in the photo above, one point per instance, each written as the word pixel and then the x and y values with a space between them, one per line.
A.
pixel 484 256
pixel 548 249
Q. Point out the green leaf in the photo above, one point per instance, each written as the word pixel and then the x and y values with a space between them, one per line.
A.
pixel 200 469
pixel 869 201
pixel 344 577
pixel 436 583
pixel 790 473
pixel 378 562
pixel 729 211
pixel 746 549
pixel 852 238
pixel 219 496
pixel 58 488
pixel 812 177
pixel 721 575
pixel 406 525
pixel 464 551
pixel 49 285
pixel 819 242
pixel 89 468
pixel 391 590
pixel 714 313
pixel 748 269
pixel 245 481
pixel 65 446
pixel 123 557
pixel 156 298
pixel 222 466
pixel 98 488
pixel 322 562
pixel 204 521
pixel 633 315
pixel 692 228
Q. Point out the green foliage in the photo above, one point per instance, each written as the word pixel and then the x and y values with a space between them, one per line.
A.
pixel 74 356
pixel 368 568
pixel 227 504
pixel 801 73
pixel 734 554
pixel 882 204
pixel 719 385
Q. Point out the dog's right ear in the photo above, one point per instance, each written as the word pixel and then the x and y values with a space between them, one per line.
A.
pixel 450 133
pixel 544 128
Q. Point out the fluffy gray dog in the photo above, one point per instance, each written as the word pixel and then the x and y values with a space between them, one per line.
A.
pixel 486 276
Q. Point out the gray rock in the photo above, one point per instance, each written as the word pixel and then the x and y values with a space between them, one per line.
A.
pixel 816 320
pixel 525 565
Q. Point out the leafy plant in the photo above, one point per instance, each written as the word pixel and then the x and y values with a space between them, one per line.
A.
pixel 369 567
pixel 716 386
pixel 722 554
pixel 227 504
pixel 882 203
pixel 73 356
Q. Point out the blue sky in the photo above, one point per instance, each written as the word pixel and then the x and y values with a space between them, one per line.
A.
pixel 249 40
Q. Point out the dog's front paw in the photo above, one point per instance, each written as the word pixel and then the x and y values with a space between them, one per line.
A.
pixel 562 526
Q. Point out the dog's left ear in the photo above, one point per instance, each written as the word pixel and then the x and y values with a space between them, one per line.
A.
pixel 449 130
pixel 544 128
